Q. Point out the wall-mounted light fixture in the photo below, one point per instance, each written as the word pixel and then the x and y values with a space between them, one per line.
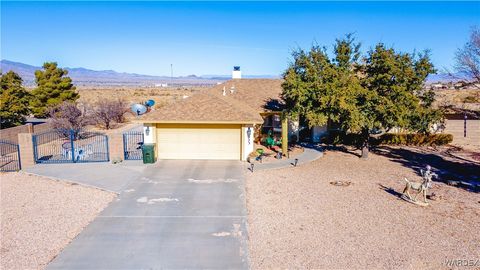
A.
pixel 249 133
pixel 147 131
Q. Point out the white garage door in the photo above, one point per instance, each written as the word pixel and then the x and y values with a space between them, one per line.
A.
pixel 199 141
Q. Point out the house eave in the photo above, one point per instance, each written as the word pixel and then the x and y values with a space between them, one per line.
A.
pixel 196 122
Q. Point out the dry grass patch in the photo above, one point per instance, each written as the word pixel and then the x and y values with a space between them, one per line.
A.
pixel 40 216
pixel 297 219
pixel 463 99
pixel 136 95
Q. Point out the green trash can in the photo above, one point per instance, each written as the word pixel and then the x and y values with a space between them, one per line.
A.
pixel 148 153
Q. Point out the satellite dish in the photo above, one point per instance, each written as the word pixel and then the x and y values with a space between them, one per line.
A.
pixel 138 109
pixel 150 103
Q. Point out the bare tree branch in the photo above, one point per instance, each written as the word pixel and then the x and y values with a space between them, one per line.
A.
pixel 468 58
pixel 107 112
pixel 69 116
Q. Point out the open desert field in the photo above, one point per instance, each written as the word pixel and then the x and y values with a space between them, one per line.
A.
pixel 298 220
pixel 40 216
pixel 463 99
pixel 161 96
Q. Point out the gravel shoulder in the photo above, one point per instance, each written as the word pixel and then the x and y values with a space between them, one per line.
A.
pixel 298 220
pixel 40 216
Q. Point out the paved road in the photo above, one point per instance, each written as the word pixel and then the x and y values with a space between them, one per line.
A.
pixel 175 214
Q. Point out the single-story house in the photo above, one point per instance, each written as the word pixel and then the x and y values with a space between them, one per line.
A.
pixel 222 122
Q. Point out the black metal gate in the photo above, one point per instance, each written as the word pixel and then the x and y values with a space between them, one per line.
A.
pixel 9 156
pixel 132 145
pixel 70 146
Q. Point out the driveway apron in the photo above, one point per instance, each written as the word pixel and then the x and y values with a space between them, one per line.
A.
pixel 175 214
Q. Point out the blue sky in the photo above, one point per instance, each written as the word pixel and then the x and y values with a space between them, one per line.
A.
pixel 211 37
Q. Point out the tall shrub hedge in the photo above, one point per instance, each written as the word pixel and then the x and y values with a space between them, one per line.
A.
pixel 417 139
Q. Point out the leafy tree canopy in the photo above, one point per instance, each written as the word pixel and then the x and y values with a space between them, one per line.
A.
pixel 14 100
pixel 319 88
pixel 53 88
pixel 379 91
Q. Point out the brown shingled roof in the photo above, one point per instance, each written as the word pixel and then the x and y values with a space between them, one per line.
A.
pixel 260 94
pixel 249 98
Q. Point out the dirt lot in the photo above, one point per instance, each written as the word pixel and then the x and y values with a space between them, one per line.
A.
pixel 40 216
pixel 161 96
pixel 298 220
pixel 463 99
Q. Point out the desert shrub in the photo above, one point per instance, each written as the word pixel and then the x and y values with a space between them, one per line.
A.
pixel 69 116
pixel 443 139
pixel 153 92
pixel 414 139
pixel 107 112
pixel 472 98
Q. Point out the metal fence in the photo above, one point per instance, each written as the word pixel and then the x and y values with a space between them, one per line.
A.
pixel 70 146
pixel 132 145
pixel 9 156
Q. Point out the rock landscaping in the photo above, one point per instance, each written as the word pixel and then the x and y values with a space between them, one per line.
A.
pixel 298 219
pixel 40 216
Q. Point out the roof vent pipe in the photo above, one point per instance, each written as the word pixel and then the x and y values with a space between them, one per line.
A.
pixel 224 91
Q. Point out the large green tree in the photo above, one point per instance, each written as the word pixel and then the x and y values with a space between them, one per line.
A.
pixel 321 89
pixel 382 90
pixel 53 88
pixel 14 100
pixel 395 96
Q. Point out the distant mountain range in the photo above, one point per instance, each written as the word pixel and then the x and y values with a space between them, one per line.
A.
pixel 88 77
pixel 445 78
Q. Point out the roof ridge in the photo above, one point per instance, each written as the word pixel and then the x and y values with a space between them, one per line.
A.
pixel 233 102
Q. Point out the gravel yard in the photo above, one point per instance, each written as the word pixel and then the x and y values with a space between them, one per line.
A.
pixel 40 216
pixel 269 155
pixel 298 220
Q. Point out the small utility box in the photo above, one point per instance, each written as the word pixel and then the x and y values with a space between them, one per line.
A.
pixel 148 153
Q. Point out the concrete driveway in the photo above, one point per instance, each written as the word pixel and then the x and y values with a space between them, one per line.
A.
pixel 174 214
